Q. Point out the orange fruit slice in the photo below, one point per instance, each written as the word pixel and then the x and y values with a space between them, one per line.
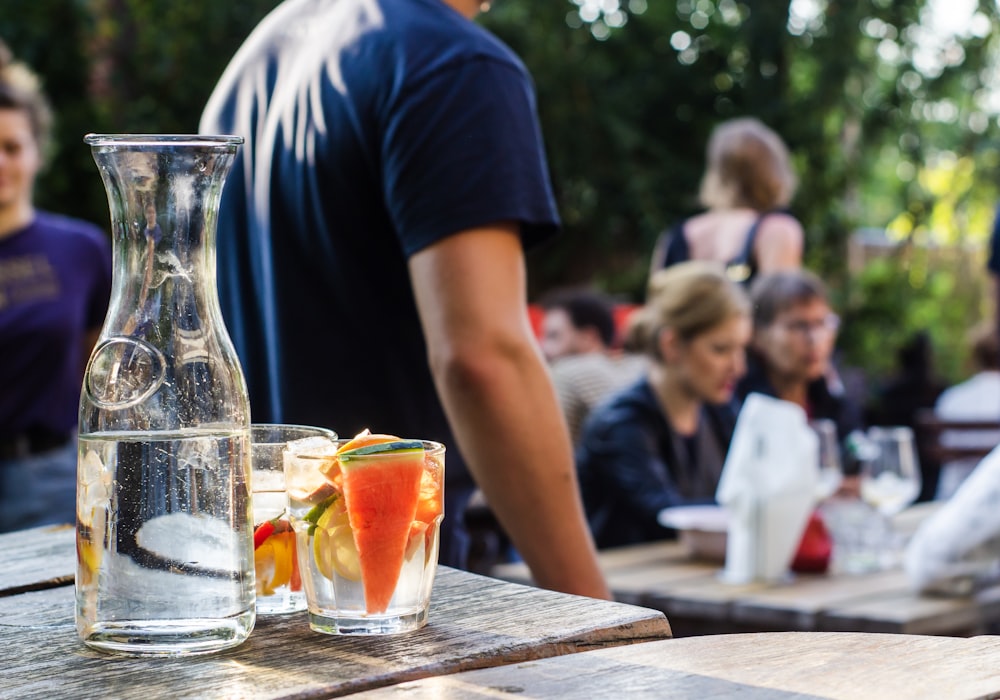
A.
pixel 331 470
pixel 364 439
pixel 273 562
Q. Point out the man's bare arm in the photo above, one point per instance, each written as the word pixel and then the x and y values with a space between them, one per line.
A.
pixel 499 400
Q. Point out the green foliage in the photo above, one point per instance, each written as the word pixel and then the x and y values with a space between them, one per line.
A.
pixel 48 36
pixel 627 107
pixel 907 290
pixel 628 92
pixel 628 97
pixel 120 66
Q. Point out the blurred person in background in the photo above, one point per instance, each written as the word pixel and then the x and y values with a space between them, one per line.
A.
pixel 975 399
pixel 662 441
pixel 993 267
pixel 576 322
pixel 55 283
pixel 579 340
pixel 747 186
pixel 371 253
pixel 912 388
pixel 913 385
pixel 791 354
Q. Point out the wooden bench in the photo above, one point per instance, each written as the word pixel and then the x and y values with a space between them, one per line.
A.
pixel 931 447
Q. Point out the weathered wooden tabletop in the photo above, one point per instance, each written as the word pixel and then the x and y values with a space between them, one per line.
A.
pixel 475 622
pixel 764 666
pixel 39 558
pixel 663 576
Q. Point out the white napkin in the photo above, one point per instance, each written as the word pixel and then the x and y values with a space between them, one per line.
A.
pixel 956 551
pixel 768 485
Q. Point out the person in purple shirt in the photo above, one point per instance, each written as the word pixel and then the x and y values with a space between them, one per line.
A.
pixel 55 282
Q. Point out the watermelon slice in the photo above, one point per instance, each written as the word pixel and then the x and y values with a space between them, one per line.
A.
pixel 381 493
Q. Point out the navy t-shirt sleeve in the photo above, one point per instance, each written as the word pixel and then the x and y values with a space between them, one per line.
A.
pixel 464 149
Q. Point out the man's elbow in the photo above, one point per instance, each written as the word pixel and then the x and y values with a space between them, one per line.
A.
pixel 470 365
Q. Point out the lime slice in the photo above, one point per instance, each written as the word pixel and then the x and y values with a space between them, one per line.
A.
pixel 333 545
pixel 319 510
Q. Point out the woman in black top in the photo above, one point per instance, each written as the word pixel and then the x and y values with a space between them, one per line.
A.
pixel 747 186
pixel 662 441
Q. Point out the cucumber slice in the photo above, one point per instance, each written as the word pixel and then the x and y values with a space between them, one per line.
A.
pixel 383 447
pixel 317 510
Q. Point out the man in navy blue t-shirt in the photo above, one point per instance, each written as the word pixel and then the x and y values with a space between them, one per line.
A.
pixel 370 253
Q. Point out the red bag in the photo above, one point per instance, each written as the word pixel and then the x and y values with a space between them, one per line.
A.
pixel 815 548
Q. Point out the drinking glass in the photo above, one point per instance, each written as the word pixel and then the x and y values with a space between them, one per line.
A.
pixel 278 582
pixel 891 480
pixel 367 525
pixel 861 535
pixel 830 468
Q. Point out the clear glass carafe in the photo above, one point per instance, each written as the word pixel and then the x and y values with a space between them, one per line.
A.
pixel 164 529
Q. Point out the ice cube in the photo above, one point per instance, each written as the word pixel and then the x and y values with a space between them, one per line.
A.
pixel 316 445
pixel 307 462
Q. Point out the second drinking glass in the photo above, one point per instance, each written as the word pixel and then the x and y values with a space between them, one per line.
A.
pixel 279 584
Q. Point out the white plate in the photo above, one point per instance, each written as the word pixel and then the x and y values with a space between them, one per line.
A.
pixel 702 530
pixel 707 518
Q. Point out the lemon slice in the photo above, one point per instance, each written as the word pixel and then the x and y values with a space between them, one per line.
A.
pixel 264 565
pixel 333 545
pixel 273 562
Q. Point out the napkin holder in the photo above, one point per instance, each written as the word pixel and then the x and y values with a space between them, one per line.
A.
pixel 768 487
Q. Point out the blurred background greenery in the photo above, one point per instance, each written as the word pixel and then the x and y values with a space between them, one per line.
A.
pixel 890 108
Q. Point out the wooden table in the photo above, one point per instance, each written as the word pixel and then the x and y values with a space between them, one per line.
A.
pixel 767 666
pixel 475 622
pixel 664 577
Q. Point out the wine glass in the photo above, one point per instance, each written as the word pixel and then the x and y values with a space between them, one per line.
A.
pixel 891 480
pixel 830 468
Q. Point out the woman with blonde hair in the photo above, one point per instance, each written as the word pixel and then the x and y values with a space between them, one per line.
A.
pixel 662 441
pixel 747 185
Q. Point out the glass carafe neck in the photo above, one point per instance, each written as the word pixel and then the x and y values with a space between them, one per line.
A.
pixel 164 360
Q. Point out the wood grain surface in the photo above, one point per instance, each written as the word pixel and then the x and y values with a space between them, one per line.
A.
pixel 765 666
pixel 475 622
pixel 39 558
